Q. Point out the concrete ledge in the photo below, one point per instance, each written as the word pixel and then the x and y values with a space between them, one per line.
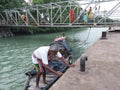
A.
pixel 102 68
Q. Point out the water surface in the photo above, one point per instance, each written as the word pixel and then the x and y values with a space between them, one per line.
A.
pixel 15 53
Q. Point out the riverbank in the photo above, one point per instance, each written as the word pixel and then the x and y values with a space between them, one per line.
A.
pixel 19 31
pixel 102 68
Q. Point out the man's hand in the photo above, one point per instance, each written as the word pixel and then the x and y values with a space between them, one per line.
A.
pixel 65 61
pixel 59 74
pixel 71 65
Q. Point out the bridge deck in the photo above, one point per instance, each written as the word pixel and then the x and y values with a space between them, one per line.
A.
pixel 64 25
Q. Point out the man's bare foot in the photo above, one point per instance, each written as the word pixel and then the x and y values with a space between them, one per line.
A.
pixel 50 76
pixel 45 82
pixel 37 88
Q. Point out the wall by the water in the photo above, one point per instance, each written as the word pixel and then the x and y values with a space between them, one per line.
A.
pixel 6 32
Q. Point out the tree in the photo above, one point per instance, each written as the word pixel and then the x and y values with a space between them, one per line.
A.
pixel 38 2
pixel 45 1
pixel 48 1
pixel 8 4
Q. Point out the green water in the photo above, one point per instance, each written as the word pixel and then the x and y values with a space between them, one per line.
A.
pixel 15 53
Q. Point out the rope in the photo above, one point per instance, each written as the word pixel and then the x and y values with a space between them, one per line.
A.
pixel 87 37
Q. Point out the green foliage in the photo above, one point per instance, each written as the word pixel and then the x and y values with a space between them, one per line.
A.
pixel 38 2
pixel 45 1
pixel 8 4
pixel 48 1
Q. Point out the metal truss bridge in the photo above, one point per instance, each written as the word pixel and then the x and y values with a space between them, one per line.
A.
pixel 62 14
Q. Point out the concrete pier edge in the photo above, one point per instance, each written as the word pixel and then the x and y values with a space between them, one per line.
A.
pixel 102 68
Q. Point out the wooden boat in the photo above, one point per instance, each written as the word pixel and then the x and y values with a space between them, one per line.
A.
pixel 56 64
pixel 51 78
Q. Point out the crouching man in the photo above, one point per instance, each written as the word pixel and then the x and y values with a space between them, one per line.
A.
pixel 40 58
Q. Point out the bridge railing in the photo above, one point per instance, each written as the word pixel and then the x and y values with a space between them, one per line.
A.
pixel 66 13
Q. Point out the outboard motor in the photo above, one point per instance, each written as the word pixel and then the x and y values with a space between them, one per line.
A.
pixel 66 50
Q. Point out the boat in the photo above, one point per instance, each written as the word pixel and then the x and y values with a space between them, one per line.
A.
pixel 56 64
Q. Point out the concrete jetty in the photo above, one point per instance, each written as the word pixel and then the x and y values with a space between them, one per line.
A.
pixel 102 68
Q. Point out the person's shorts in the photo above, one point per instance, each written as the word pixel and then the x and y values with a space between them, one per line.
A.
pixel 38 68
